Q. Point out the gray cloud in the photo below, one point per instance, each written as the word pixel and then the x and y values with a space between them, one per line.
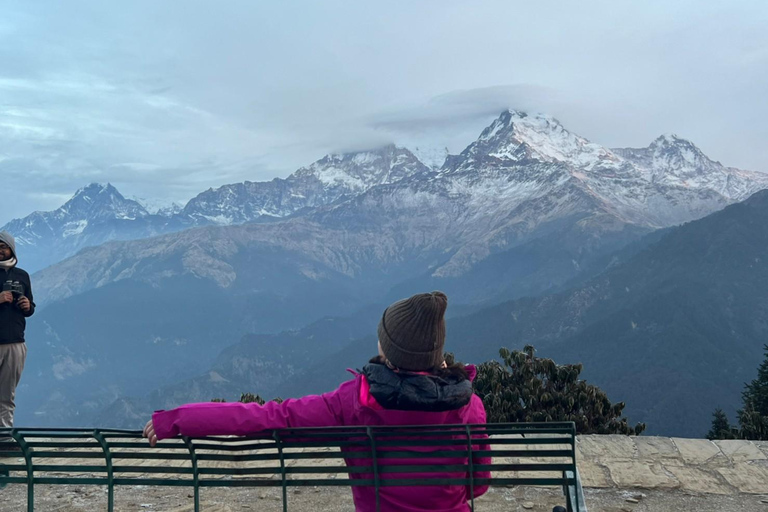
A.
pixel 165 99
pixel 460 107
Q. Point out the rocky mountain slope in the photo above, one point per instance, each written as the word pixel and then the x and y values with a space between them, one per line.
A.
pixel 675 331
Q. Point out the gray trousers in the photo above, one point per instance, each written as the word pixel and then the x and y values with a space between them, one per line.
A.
pixel 12 358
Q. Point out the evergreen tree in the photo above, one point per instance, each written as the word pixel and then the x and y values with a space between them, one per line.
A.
pixel 755 395
pixel 529 388
pixel 753 425
pixel 721 429
pixel 753 417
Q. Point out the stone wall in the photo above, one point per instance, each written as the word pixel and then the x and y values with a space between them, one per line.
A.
pixel 693 465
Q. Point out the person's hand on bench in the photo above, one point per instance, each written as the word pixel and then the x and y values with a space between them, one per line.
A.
pixel 149 433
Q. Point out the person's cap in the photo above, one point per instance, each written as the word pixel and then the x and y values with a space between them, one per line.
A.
pixel 412 331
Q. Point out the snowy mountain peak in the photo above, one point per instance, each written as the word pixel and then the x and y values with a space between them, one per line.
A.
pixel 517 137
pixel 95 192
pixel 159 206
pixel 96 208
pixel 432 156
pixel 100 201
pixel 671 146
pixel 669 155
pixel 358 171
pixel 667 139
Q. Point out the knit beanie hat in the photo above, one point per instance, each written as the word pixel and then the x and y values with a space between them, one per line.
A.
pixel 412 331
pixel 8 239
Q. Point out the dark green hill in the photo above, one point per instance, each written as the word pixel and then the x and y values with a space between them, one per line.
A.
pixel 674 327
pixel 675 331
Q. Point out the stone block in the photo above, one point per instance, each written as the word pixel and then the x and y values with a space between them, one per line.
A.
pixel 699 480
pixel 656 448
pixel 593 474
pixel 641 474
pixel 762 446
pixel 740 451
pixel 605 448
pixel 699 451
pixel 749 478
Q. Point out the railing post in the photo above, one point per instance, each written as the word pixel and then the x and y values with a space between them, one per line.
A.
pixel 195 473
pixel 375 461
pixel 30 469
pixel 575 469
pixel 276 436
pixel 110 474
pixel 471 470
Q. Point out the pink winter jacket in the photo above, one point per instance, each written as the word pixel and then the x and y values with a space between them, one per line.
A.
pixel 351 404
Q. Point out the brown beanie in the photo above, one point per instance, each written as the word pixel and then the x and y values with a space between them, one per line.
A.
pixel 412 331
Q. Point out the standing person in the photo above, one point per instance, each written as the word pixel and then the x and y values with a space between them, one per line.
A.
pixel 408 383
pixel 16 305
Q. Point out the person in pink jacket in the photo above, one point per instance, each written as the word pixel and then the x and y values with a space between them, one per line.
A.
pixel 408 383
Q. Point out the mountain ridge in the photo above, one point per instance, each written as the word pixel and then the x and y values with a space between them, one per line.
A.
pixel 669 182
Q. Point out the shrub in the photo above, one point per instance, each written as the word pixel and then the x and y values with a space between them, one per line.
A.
pixel 526 388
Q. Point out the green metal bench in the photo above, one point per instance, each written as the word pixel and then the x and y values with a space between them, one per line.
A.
pixel 538 454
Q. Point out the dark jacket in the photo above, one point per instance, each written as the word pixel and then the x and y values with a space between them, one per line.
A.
pixel 13 320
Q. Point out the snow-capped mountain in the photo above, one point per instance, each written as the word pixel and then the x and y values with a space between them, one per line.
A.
pixel 159 206
pixel 671 161
pixel 170 210
pixel 667 183
pixel 99 213
pixel 432 156
pixel 50 236
pixel 97 202
pixel 523 172
pixel 526 174
pixel 325 181
pixel 519 137
pixel 526 178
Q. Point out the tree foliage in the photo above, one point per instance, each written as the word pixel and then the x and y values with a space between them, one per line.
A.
pixel 247 398
pixel 721 428
pixel 530 388
pixel 753 416
pixel 755 395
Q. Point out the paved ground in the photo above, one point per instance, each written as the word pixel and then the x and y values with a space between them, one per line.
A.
pixel 620 474
pixel 67 499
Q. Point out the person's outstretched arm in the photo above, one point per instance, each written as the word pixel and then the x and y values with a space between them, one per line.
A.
pixel 238 419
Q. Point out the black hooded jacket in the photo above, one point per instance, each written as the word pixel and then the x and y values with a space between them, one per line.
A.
pixel 13 320
pixel 408 391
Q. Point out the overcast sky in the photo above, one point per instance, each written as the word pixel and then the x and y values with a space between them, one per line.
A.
pixel 167 98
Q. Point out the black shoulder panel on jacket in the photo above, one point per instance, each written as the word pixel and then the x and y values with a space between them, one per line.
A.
pixel 415 392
